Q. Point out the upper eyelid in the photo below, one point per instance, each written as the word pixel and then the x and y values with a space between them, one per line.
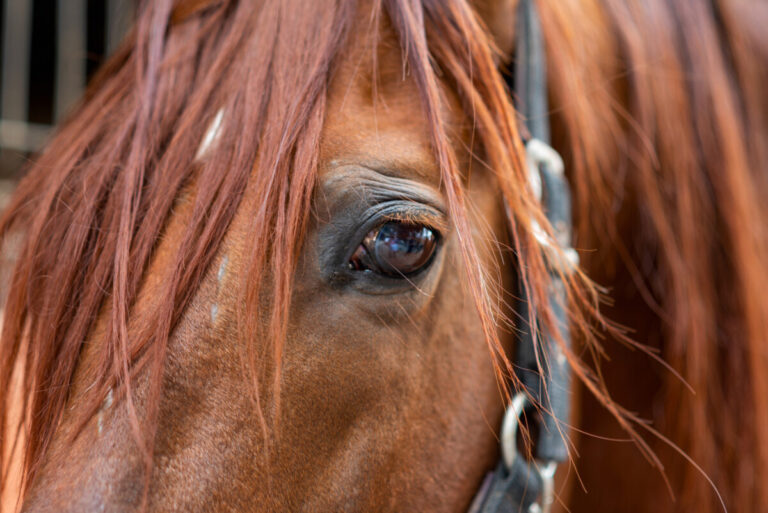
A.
pixel 411 194
pixel 407 211
pixel 370 185
pixel 417 217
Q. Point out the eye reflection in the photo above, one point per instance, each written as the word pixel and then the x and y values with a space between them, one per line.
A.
pixel 395 248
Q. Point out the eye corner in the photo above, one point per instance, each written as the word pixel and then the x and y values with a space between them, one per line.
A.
pixel 340 278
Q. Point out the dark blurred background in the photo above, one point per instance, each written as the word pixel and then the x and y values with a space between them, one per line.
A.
pixel 49 49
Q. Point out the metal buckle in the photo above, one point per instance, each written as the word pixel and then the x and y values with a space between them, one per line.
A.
pixel 545 469
pixel 540 155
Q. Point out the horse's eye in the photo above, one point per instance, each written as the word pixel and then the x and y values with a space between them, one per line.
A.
pixel 396 249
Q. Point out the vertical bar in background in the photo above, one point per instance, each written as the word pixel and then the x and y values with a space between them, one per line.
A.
pixel 71 54
pixel 17 36
pixel 119 18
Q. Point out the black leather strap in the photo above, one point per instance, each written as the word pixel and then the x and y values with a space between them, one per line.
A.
pixel 546 379
pixel 508 491
pixel 530 71
pixel 550 387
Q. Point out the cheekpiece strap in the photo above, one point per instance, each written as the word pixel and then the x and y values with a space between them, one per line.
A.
pixel 518 484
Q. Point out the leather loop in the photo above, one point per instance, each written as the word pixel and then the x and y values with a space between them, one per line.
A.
pixel 508 491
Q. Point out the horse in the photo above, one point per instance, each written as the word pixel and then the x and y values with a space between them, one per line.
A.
pixel 272 261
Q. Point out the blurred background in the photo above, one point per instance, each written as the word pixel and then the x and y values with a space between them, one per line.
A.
pixel 48 51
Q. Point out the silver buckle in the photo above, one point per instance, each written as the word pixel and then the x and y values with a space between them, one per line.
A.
pixel 545 469
pixel 538 154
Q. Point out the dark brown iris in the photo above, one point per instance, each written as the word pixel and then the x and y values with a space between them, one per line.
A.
pixel 395 248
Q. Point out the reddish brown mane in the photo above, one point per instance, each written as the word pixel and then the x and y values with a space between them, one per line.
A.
pixel 677 130
pixel 661 116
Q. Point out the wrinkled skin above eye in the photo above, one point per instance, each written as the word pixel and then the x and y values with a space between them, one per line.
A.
pixel 396 249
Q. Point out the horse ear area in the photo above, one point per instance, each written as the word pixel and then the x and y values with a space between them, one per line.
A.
pixel 499 18
pixel 186 8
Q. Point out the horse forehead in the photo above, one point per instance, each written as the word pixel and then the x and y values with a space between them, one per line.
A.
pixel 374 114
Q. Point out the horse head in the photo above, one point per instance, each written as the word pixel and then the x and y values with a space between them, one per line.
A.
pixel 275 261
pixel 359 376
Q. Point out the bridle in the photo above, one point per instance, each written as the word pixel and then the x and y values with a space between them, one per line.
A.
pixel 518 484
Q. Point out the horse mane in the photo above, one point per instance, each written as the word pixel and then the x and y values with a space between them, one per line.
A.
pixel 666 123
pixel 678 156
